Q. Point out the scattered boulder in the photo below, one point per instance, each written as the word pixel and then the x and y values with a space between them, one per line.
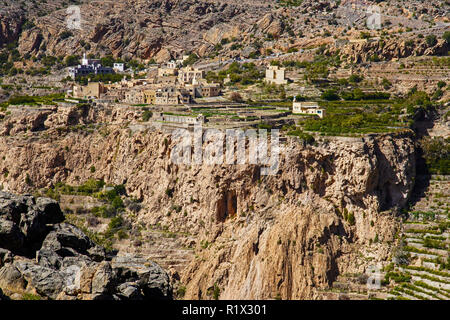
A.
pixel 46 281
pixel 24 220
pixel 148 277
pixel 41 255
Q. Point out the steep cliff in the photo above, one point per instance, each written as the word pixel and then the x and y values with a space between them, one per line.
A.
pixel 286 236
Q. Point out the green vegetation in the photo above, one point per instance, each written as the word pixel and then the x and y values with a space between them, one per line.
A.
pixel 193 58
pixel 398 277
pixel 98 238
pixel 113 77
pixel 30 296
pixel 245 74
pixel 35 100
pixel 436 244
pixel 65 35
pixel 146 115
pixel 436 152
pixel 181 291
pixel 330 95
pixel 290 3
pixel 115 225
pixel 216 292
pixel 309 139
pixel 376 115
pixel 349 217
pixel 431 40
pixel 94 188
pixel 108 61
pixel 72 60
pixel 272 89
pixel 432 271
pixel 358 94
pixel 364 122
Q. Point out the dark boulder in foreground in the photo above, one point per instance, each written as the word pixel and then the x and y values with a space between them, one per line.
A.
pixel 43 257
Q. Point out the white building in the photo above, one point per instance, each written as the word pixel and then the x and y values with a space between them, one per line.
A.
pixel 307 108
pixel 88 66
pixel 119 67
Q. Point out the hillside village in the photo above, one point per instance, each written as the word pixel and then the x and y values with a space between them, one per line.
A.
pixel 168 85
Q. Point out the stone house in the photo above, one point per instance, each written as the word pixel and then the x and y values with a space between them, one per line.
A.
pixel 149 96
pixel 210 90
pixel 134 96
pixel 91 90
pixel 119 67
pixel 276 75
pixel 189 74
pixel 203 90
pixel 170 69
pixel 172 96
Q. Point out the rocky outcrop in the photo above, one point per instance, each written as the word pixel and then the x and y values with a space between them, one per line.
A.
pixel 40 255
pixel 10 26
pixel 165 27
pixel 24 220
pixel 393 49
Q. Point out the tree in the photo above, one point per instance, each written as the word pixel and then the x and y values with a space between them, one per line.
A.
pixel 446 36
pixel 441 84
pixel 358 94
pixel 431 40
pixel 354 78
pixel 386 84
pixel 65 35
pixel 330 95
pixel 72 61
pixel 193 58
pixel 107 61
pixel 236 97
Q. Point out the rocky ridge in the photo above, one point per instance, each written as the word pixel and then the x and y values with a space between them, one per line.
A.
pixel 162 29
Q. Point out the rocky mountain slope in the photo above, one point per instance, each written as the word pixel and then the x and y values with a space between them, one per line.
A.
pixel 283 236
pixel 43 257
pixel 162 29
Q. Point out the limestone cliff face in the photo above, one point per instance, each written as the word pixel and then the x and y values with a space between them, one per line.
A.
pixel 393 49
pixel 259 237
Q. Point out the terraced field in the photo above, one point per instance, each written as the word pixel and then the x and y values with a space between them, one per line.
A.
pixel 420 268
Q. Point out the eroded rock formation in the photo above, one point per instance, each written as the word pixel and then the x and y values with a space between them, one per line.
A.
pixel 41 255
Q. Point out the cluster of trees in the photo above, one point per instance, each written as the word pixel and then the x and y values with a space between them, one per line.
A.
pixel 113 77
pixel 193 58
pixel 354 95
pixel 290 3
pixel 244 74
pixel 436 152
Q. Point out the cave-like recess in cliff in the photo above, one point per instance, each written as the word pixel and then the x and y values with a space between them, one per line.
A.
pixel 226 206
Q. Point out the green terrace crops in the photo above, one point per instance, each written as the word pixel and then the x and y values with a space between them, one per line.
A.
pixel 34 100
pixel 348 117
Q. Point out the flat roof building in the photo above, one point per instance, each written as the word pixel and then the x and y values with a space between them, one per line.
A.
pixel 307 108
